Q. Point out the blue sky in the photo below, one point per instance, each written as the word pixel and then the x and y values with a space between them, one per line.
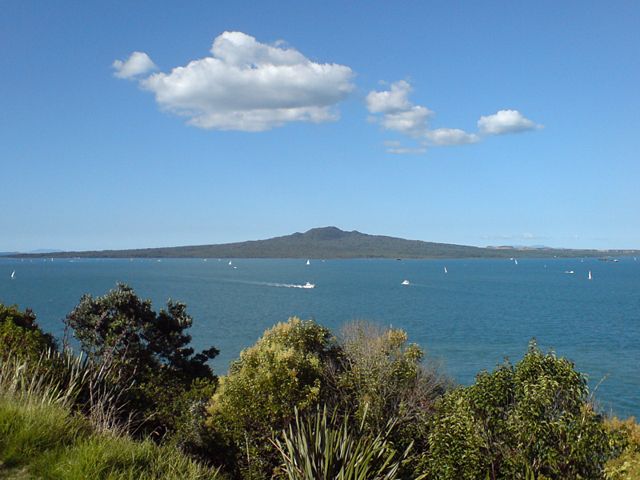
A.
pixel 363 115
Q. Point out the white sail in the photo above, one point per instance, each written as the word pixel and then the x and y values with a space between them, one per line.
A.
pixel 590 276
pixel 308 262
pixel 13 274
pixel 445 270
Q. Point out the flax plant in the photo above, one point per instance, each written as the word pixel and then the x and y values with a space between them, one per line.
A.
pixel 323 447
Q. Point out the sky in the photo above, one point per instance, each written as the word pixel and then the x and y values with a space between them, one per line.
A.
pixel 143 124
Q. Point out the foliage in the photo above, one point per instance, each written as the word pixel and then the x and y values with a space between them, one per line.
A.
pixel 534 416
pixel 42 437
pixel 382 377
pixel 624 436
pixel 48 441
pixel 282 372
pixel 20 334
pixel 322 447
pixel 380 371
pixel 147 352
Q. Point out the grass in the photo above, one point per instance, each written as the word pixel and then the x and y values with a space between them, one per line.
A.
pixel 41 437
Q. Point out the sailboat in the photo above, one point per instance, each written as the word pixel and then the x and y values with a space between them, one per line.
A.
pixel 230 262
pixel 13 274
pixel 445 270
pixel 308 262
pixel 405 282
pixel 590 276
pixel 515 260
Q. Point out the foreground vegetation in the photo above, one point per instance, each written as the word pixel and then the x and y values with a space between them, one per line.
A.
pixel 302 403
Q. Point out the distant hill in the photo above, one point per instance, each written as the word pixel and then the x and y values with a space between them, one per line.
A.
pixel 331 242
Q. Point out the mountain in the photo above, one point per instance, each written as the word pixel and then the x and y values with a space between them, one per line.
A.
pixel 331 242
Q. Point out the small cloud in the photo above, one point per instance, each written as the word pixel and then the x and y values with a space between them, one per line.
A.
pixel 505 121
pixel 412 121
pixel 392 100
pixel 451 136
pixel 407 150
pixel 392 110
pixel 138 63
pixel 251 86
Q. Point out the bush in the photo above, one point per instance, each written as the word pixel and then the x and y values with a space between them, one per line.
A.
pixel 383 375
pixel 323 447
pixel 531 419
pixel 625 442
pixel 147 353
pixel 21 336
pixel 282 372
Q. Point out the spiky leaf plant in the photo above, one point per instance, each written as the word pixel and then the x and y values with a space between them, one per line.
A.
pixel 321 446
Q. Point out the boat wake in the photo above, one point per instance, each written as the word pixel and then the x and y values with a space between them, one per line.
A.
pixel 289 285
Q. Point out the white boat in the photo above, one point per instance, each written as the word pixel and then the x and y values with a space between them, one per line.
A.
pixel 13 274
pixel 590 276
pixel 230 262
pixel 515 260
pixel 445 270
pixel 309 285
pixel 570 272
pixel 308 262
pixel 405 282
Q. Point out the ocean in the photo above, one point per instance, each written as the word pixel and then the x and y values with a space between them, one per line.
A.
pixel 468 319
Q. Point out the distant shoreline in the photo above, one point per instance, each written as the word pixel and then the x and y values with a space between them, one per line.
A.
pixel 333 243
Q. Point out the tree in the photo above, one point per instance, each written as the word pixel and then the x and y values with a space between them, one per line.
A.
pixel 533 418
pixel 148 352
pixel 282 372
pixel 21 336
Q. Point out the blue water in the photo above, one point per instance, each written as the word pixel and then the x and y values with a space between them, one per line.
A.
pixel 467 320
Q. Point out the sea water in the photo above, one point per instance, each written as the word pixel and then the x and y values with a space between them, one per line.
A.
pixel 468 319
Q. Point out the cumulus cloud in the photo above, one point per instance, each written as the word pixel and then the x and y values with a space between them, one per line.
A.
pixel 137 64
pixel 451 136
pixel 505 121
pixel 393 111
pixel 393 100
pixel 251 86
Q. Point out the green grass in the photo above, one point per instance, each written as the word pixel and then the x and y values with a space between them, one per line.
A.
pixel 41 437
pixel 40 440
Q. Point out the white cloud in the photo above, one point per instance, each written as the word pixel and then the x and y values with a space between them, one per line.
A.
pixel 505 121
pixel 451 136
pixel 393 100
pixel 251 86
pixel 412 121
pixel 393 111
pixel 397 113
pixel 138 63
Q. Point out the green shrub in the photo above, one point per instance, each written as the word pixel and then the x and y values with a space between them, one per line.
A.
pixel 323 447
pixel 21 336
pixel 282 372
pixel 624 437
pixel 532 417
pixel 147 354
pixel 383 375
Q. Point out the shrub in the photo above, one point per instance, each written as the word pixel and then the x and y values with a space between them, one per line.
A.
pixel 383 375
pixel 533 417
pixel 21 336
pixel 625 442
pixel 282 372
pixel 323 447
pixel 147 353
